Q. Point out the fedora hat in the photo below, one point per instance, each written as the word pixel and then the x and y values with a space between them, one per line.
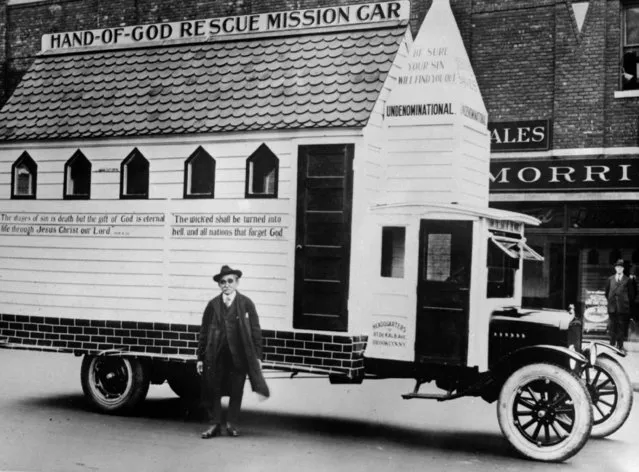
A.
pixel 619 262
pixel 226 270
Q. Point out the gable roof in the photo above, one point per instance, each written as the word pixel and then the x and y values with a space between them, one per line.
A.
pixel 323 80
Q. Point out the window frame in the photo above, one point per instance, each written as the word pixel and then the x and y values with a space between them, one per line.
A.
pixel 631 87
pixel 200 151
pixel 123 181
pixel 26 159
pixel 388 251
pixel 75 157
pixel 262 151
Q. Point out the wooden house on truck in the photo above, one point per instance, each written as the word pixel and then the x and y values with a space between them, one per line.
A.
pixel 342 165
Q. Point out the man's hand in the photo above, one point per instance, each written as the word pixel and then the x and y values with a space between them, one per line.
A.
pixel 199 367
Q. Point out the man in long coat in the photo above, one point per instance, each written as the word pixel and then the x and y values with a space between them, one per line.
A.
pixel 619 291
pixel 229 348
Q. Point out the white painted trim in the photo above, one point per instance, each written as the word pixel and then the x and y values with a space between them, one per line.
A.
pixel 220 138
pixel 563 196
pixel 11 3
pixel 574 152
pixel 626 93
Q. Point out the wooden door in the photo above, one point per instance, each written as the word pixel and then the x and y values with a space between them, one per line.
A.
pixel 443 290
pixel 322 255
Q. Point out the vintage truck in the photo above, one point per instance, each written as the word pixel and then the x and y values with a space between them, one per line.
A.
pixel 340 163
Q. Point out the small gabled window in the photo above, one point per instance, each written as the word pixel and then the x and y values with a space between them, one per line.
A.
pixel 24 177
pixel 77 177
pixel 199 175
pixel 134 176
pixel 262 168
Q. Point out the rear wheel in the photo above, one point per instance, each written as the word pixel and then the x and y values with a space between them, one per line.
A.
pixel 544 411
pixel 114 384
pixel 611 393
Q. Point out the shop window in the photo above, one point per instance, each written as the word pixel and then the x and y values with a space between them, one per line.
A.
pixel 134 176
pixel 630 28
pixel 199 175
pixel 24 175
pixel 77 177
pixel 393 251
pixel 593 257
pixel 262 168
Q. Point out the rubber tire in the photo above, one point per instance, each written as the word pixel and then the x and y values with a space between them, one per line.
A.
pixel 135 391
pixel 576 390
pixel 624 397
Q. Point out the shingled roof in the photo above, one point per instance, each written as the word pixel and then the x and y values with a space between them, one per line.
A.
pixel 322 80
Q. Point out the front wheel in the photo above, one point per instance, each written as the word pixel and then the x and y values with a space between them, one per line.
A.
pixel 611 393
pixel 544 411
pixel 114 384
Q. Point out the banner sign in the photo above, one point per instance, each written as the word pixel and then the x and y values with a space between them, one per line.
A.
pixel 145 35
pixel 532 135
pixel 565 175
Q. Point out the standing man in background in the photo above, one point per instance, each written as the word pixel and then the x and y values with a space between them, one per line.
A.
pixel 229 348
pixel 619 292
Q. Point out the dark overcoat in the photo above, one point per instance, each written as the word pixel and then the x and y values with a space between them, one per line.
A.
pixel 619 294
pixel 245 346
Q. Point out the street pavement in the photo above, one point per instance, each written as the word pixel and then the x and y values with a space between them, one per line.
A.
pixel 307 425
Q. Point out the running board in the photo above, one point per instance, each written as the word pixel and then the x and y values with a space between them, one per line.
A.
pixel 429 396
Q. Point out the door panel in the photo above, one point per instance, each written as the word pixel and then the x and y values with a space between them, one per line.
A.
pixel 324 200
pixel 443 290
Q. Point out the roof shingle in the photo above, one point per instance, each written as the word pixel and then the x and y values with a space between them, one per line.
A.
pixel 314 81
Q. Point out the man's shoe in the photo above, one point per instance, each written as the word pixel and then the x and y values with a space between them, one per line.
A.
pixel 211 432
pixel 232 431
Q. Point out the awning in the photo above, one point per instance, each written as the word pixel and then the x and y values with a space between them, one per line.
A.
pixel 516 248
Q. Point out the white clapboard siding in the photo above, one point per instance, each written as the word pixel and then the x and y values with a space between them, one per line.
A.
pixel 79 266
pixel 83 278
pixel 145 289
pixel 215 258
pixel 88 301
pixel 88 255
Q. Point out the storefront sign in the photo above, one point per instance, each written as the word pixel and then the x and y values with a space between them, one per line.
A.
pixel 531 135
pixel 143 35
pixel 565 176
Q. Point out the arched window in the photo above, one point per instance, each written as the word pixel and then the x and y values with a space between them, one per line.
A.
pixel 199 175
pixel 262 168
pixel 24 177
pixel 134 176
pixel 77 177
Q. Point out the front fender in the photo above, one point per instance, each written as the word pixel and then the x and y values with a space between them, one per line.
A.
pixel 537 353
pixel 596 348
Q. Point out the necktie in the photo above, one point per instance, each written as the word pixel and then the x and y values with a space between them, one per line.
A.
pixel 618 278
pixel 227 301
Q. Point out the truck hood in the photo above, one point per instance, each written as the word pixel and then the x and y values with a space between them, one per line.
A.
pixel 556 318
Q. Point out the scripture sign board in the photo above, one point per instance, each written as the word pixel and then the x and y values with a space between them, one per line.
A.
pixel 207 29
pixel 565 176
pixel 437 83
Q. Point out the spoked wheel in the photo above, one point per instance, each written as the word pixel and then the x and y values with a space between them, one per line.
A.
pixel 544 411
pixel 611 393
pixel 114 384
